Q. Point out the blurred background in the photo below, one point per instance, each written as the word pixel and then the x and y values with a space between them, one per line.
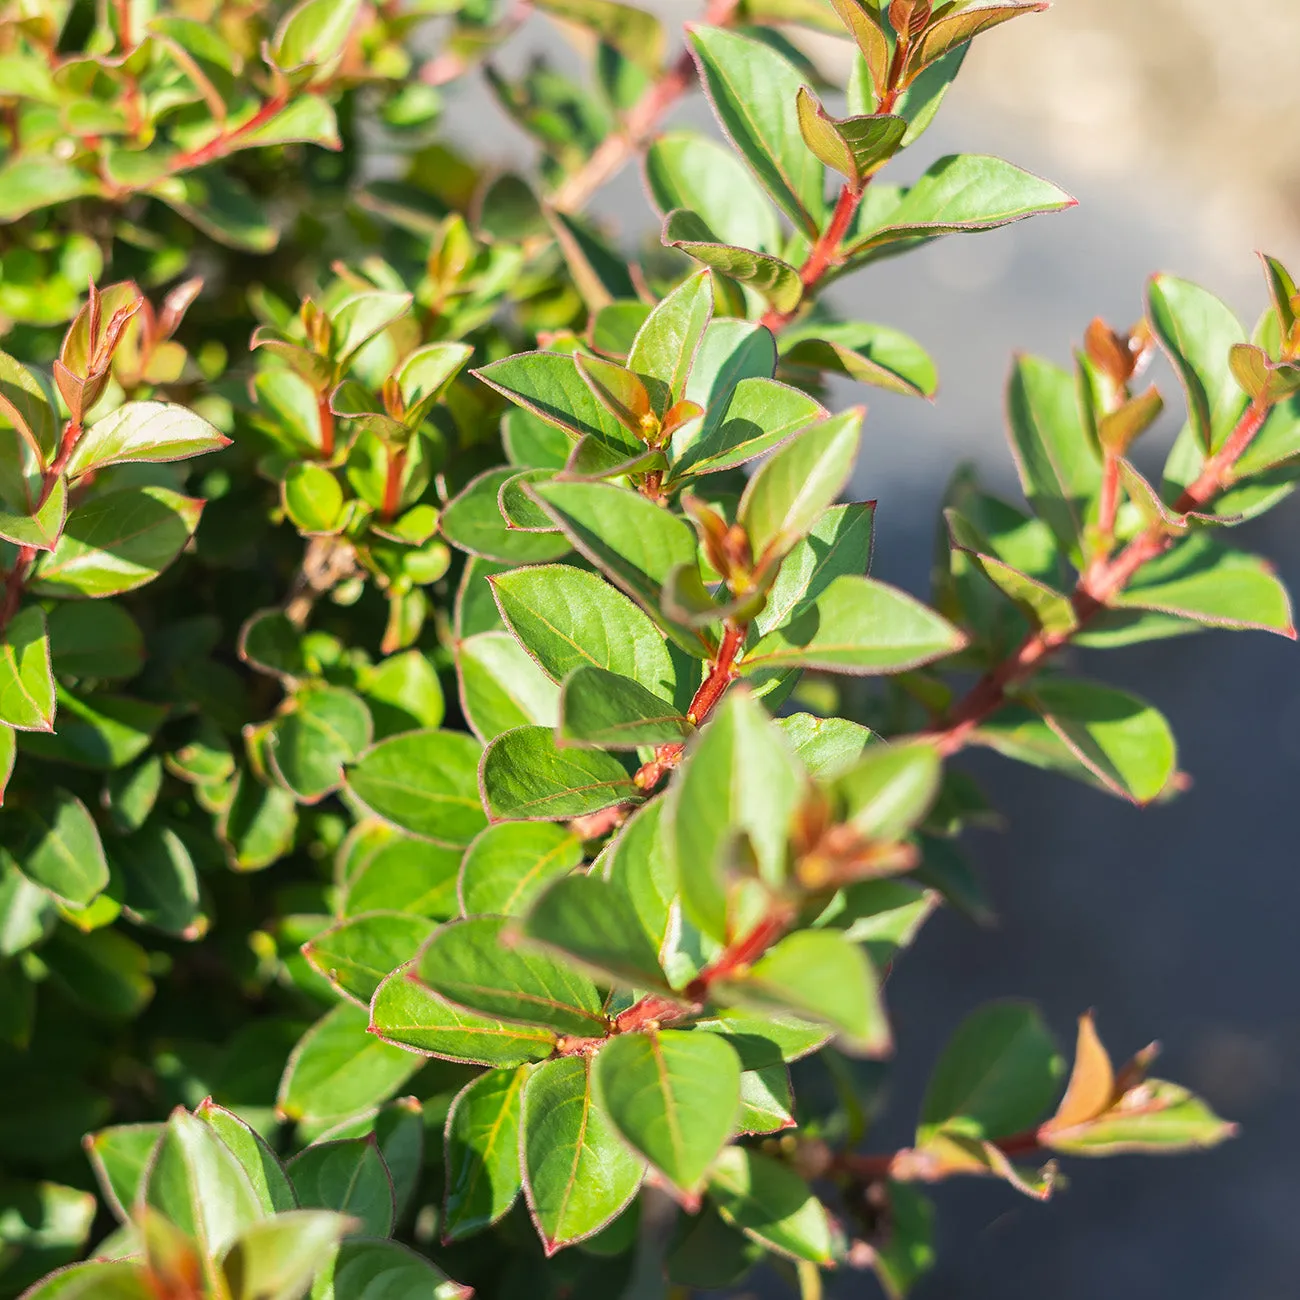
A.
pixel 1169 120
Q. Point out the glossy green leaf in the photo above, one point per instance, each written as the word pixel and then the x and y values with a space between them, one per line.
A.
pixel 350 1177
pixel 890 789
pixel 54 843
pixel 468 963
pixel 98 639
pixel 482 1152
pixel 325 728
pixel 578 1175
pixel 405 875
pixel 665 345
pixel 403 693
pixel 384 1270
pixel 313 32
pixel 510 863
pixel 637 864
pixel 601 709
pixel 160 882
pixel 270 1183
pixel 277 1259
pixel 501 686
pixel 258 824
pixel 99 731
pixel 955 29
pixel 856 147
pixel 636 35
pixel 425 782
pixel 120 1157
pixel 526 776
pixel 473 522
pixel 356 954
pixel 766 1101
pixel 151 431
pixel 39 528
pixel 26 679
pixel 871 354
pixel 770 1204
pixel 313 498
pixel 776 281
pixel 827 747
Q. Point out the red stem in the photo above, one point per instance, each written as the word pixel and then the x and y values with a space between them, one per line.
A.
pixel 393 482
pixel 222 143
pixel 872 1168
pixel 326 417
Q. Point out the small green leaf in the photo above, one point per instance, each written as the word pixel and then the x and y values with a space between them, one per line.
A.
pixel 101 731
pixel 98 639
pixel 955 29
pixel 870 354
pixel 526 776
pixel 776 281
pixel 270 1183
pixel 160 882
pixel 482 1152
pixel 26 679
pixel 55 844
pixel 856 147
pixel 404 874
pixel 39 528
pixel 827 747
pixel 120 1157
pixel 603 710
pixel 384 1269
pixel 890 789
pixel 277 1258
pixel 150 431
pixel 674 1096
pixel 356 954
pixel 468 963
pixel 665 345
pixel 507 866
pixel 473 521
pixel 770 1204
pixel 258 824
pixel 313 32
pixel 766 1101
pixel 324 728
pixel 313 498
pixel 578 1175
pixel 403 693
pixel 501 686
pixel 350 1177
pixel 1164 1119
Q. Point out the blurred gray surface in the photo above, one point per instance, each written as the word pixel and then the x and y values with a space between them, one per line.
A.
pixel 1175 922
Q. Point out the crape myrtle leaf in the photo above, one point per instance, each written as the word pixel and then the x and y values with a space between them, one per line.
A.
pixel 674 1096
pixel 686 170
pixel 29 183
pixel 665 345
pixel 468 963
pixel 766 1101
pixel 120 1157
pixel 1060 469
pixel 955 29
pixel 399 1130
pixel 770 1204
pixel 518 508
pixel 338 1070
pixel 313 499
pixel 258 823
pixel 153 431
pixel 26 679
pixel 221 206
pixel 161 884
pixel 40 528
pixel 1124 744
pixel 324 728
pixel 856 147
pixel 356 954
pixel 197 1184
pixel 730 351
pixel 827 747
pixel 776 281
pixel 567 618
pixel 999 1072
pixel 368 1267
pixel 890 789
pixel 97 639
pixel 501 686
pixel 27 911
pixel 510 863
pixel 636 863
pixel 406 1013
pixel 883 915
pixel 960 192
pixel 95 1279
pixel 476 609
pixel 1198 332
pixel 759 415
pixel 24 405
pixel 1210 584
pixel 265 1172
pixel 425 782
pixel 117 542
pixel 908 1254
pixel 819 974
pixel 103 970
pixel 312 32
pixel 792 489
pixel 473 522
pixel 752 89
pixel 549 385
pixel 610 333
pixel 481 1144
pixel 837 545
pixel 860 627
pixel 599 272
pixel 350 1177
pixel 603 710
pixel 633 541
pixel 706 1252
pixel 594 923
pixel 360 317
pixel 403 693
pixel 635 34
pixel 1274 447
pixel 872 68
pixel 578 1174
pixel 269 642
pixel 591 461
pixel 525 775
pixel 101 731
pixel 55 844
pixel 872 354
pixel 1156 1118
pixel 738 776
pixel 277 1259
pixel 1092 1080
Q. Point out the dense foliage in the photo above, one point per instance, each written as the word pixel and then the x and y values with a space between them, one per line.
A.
pixel 464 792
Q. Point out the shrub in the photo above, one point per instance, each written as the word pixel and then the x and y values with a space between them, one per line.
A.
pixel 459 771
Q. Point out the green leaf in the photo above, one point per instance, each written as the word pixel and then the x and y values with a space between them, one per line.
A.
pixel 637 864
pixel 998 1074
pixel 121 1157
pixel 26 679
pixel 221 206
pixel 407 1013
pixel 509 864
pixel 776 281
pixel 578 1175
pixel 567 618
pixel 955 29
pixel 405 875
pixel 473 521
pixel 307 119
pixel 313 32
pixel 1088 730
pixel 258 824
pixel 29 183
pixel 770 1204
pixel 856 147
pixel 27 911
pixel 356 954
pixel 104 971
pixel 501 686
pixel 871 354
pixel 890 789
pixel 664 347
pixel 425 782
pixel 1060 469
pixel 636 35
pixel 117 542
pixel 738 777
pixel 149 431
pixel 468 963
pixel 54 843
pixel 338 1070
pixel 1165 1120
pixel 674 1096
pixel 350 1177
pixel 960 192
pixel 269 642
pixel 270 1182
pixel 752 89
pixel 482 1152
pixel 98 639
pixel 365 1269
pixel 324 728
pixel 686 170
pixel 860 627
pixel 793 488
pixel 827 747
pixel 277 1259
pixel 823 976
pixel 160 882
pixel 766 1101
pixel 102 732
pixel 1198 332
pixel 37 528
pixel 313 499
pixel 909 1253
pixel 595 924
pixel 603 710
pixel 403 693
pixel 526 776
